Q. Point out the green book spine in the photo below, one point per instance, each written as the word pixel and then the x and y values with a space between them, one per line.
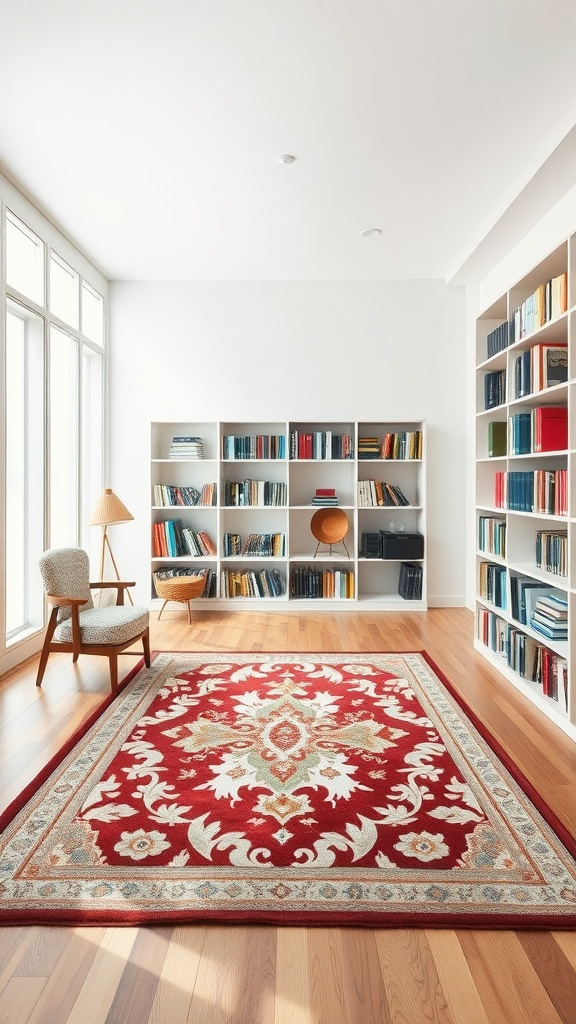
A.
pixel 497 438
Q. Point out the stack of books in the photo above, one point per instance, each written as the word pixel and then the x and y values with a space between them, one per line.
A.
pixel 368 448
pixel 325 496
pixel 186 448
pixel 550 617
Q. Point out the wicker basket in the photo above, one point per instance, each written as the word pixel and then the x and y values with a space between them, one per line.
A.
pixel 180 588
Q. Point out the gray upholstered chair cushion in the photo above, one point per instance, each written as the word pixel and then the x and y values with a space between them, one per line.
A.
pixel 113 624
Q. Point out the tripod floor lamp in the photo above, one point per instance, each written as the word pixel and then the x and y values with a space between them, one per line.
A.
pixel 109 510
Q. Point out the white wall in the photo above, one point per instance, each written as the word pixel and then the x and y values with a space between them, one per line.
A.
pixel 318 350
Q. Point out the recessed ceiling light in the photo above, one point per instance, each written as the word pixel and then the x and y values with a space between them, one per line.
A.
pixel 371 232
pixel 285 158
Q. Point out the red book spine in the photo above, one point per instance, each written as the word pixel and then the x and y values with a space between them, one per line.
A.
pixel 551 428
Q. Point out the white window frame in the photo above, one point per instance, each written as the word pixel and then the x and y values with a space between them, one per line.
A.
pixel 25 644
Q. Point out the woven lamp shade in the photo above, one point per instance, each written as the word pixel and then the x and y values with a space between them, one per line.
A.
pixel 110 510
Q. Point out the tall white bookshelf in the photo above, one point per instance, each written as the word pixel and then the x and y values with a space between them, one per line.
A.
pixel 525 497
pixel 348 570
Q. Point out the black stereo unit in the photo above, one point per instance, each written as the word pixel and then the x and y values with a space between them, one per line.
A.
pixel 371 545
pixel 403 546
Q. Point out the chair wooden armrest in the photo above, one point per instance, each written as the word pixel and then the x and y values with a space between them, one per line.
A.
pixel 119 585
pixel 61 602
pixel 74 603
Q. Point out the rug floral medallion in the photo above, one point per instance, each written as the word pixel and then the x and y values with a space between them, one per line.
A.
pixel 312 789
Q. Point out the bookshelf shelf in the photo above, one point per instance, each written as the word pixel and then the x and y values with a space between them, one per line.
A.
pixel 526 399
pixel 309 460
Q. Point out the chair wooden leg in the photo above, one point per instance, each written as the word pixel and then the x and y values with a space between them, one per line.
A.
pixel 52 621
pixel 189 613
pixel 146 646
pixel 42 666
pixel 114 673
pixel 162 609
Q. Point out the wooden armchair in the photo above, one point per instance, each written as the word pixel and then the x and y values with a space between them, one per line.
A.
pixel 75 625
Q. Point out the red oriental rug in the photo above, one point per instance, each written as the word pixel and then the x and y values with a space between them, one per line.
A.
pixel 312 789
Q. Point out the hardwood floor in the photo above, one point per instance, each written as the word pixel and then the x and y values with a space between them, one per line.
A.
pixel 204 974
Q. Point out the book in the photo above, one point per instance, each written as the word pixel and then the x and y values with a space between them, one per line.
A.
pixel 549 365
pixel 550 428
pixel 497 438
pixel 559 295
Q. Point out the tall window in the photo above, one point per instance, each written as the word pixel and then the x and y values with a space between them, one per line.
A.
pixel 54 400
pixel 24 467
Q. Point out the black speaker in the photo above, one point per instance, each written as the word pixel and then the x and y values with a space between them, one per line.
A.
pixel 403 546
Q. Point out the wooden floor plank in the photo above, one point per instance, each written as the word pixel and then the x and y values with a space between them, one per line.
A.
pixel 292 999
pixel 68 976
pixel 410 977
pixel 177 978
pixel 19 998
pixel 506 980
pixel 554 970
pixel 236 978
pixel 327 971
pixel 365 996
pixel 138 982
pixel 103 978
pixel 456 981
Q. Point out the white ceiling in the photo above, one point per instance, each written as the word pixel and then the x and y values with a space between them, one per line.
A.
pixel 149 130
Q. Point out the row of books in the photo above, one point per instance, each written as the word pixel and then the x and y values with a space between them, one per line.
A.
pixel 540 367
pixel 492 583
pixel 312 582
pixel 404 444
pixel 372 493
pixel 170 495
pixel 267 545
pixel 542 491
pixel 492 536
pixel 552 551
pixel 410 581
pixel 250 583
pixel 534 661
pixel 254 446
pixel 494 388
pixel 208 574
pixel 320 444
pixel 528 657
pixel 186 448
pixel 543 429
pixel 549 301
pixel 255 493
pixel 500 338
pixel 172 540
